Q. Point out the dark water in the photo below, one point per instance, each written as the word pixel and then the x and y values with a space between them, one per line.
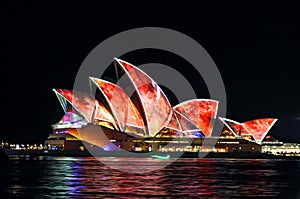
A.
pixel 61 177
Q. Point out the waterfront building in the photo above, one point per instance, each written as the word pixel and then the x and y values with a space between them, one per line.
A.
pixel 145 120
pixel 273 146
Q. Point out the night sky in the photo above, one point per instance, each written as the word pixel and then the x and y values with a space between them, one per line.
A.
pixel 256 48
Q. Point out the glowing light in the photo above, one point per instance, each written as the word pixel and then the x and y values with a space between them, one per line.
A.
pixel 81 102
pixel 257 128
pixel 185 124
pixel 200 112
pixel 157 108
pixel 173 123
pixel 122 107
pixel 102 114
pixel 193 118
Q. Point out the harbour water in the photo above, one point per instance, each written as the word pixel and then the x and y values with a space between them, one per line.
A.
pixel 67 177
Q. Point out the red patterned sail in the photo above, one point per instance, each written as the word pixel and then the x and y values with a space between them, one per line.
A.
pixel 200 112
pixel 102 114
pixel 173 123
pixel 133 116
pixel 259 127
pixel 156 107
pixel 185 124
pixel 81 102
pixel 233 126
pixel 121 106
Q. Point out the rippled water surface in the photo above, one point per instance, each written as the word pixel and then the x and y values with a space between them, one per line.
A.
pixel 65 177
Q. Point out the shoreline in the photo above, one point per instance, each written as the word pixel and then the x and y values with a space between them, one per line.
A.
pixel 98 153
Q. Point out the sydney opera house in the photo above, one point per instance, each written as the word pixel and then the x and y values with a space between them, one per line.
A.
pixel 144 120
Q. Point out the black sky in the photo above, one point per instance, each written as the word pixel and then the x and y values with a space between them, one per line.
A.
pixel 256 48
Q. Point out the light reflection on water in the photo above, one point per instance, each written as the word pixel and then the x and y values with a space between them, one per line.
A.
pixel 64 177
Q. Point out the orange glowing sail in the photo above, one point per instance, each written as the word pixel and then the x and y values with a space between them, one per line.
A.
pixel 173 123
pixel 120 104
pixel 201 112
pixel 233 126
pixel 157 109
pixel 81 102
pixel 133 116
pixel 185 124
pixel 259 127
pixel 102 114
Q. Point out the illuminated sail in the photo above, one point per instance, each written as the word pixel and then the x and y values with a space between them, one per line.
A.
pixel 120 104
pixel 69 120
pixel 173 123
pixel 81 102
pixel 185 124
pixel 259 127
pixel 156 107
pixel 102 114
pixel 70 117
pixel 201 112
pixel 233 126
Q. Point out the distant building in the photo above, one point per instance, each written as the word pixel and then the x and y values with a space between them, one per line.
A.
pixel 273 146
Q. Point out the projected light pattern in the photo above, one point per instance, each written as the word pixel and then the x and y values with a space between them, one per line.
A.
pixel 259 127
pixel 173 123
pixel 70 117
pixel 133 116
pixel 102 114
pixel 121 106
pixel 233 126
pixel 157 109
pixel 81 102
pixel 200 112
pixel 155 116
pixel 236 128
pixel 185 124
pixel 69 120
